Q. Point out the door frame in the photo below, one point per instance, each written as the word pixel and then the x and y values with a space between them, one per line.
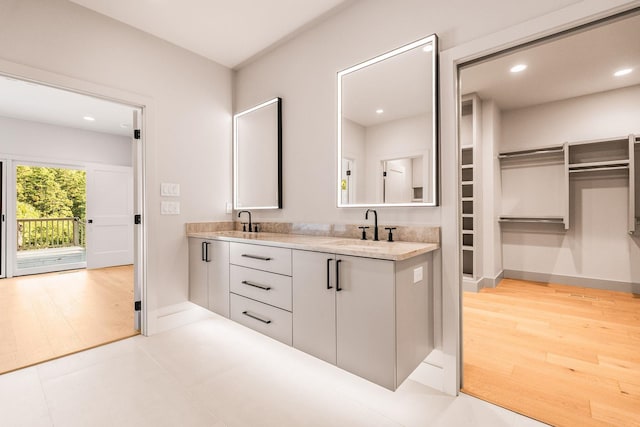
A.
pixel 3 218
pixel 145 107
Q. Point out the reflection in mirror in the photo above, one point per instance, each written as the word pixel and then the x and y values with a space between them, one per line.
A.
pixel 387 129
pixel 257 155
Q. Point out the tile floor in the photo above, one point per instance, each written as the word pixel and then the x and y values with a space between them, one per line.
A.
pixel 216 373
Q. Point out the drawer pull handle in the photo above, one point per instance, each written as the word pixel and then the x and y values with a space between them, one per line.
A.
pixel 256 285
pixel 261 258
pixel 253 316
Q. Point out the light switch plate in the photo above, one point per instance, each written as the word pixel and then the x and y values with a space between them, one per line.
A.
pixel 168 189
pixel 228 207
pixel 417 274
pixel 169 208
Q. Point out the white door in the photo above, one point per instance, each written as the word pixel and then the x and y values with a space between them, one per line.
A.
pixel 109 216
pixel 397 181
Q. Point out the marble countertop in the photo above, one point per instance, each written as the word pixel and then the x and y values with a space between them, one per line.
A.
pixel 394 251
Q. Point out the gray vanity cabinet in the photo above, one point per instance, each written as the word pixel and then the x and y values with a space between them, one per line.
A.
pixel 209 274
pixel 367 316
pixel 314 304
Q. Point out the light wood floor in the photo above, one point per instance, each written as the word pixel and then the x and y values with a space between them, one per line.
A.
pixel 51 315
pixel 565 355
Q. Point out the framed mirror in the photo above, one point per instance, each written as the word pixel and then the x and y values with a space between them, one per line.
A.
pixel 257 157
pixel 388 129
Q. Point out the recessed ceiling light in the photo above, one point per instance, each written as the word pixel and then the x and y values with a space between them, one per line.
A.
pixel 89 118
pixel 518 68
pixel 623 72
pixel 428 48
pixel 379 111
pixel 124 125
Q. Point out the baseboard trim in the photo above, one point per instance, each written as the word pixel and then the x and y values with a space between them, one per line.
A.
pixel 473 285
pixel 488 282
pixel 430 372
pixel 174 316
pixel 586 282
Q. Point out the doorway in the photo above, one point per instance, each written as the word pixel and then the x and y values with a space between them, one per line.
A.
pixel 57 138
pixel 548 138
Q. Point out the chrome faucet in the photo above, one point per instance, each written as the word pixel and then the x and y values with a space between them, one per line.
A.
pixel 248 212
pixel 375 222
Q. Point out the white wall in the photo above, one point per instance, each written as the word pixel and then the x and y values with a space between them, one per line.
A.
pixel 396 139
pixel 597 245
pixel 23 139
pixel 602 115
pixel 490 201
pixel 188 119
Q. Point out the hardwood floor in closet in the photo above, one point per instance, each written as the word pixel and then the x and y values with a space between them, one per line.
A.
pixel 565 355
pixel 51 315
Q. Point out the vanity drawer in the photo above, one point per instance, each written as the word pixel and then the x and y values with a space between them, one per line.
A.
pixel 270 288
pixel 271 321
pixel 266 258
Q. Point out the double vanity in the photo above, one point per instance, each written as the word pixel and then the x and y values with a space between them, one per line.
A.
pixel 365 306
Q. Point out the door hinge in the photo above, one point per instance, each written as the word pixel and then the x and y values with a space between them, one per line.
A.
pixel 137 306
pixel 137 219
pixel 136 134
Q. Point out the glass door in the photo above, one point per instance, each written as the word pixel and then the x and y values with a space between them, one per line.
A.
pixel 50 219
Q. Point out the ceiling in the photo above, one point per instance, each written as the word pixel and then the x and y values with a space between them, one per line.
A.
pixel 30 101
pixel 578 64
pixel 227 32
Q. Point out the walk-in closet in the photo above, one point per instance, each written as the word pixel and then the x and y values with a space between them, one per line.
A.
pixel 549 137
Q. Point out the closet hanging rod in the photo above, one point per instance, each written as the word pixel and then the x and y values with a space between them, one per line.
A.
pixel 549 150
pixel 541 219
pixel 594 169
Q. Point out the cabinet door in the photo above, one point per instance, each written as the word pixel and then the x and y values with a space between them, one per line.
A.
pixel 198 272
pixel 219 277
pixel 314 309
pixel 365 313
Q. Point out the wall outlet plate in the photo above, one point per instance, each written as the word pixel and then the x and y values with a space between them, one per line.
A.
pixel 417 275
pixel 168 189
pixel 169 208
pixel 228 207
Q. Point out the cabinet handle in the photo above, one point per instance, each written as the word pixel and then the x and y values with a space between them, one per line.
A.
pixel 205 252
pixel 256 285
pixel 253 316
pixel 206 247
pixel 329 273
pixel 338 288
pixel 261 258
pixel 203 245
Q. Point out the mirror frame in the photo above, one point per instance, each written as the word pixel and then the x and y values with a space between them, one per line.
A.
pixel 435 144
pixel 278 102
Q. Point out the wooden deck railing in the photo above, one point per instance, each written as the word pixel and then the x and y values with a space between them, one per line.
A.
pixel 45 233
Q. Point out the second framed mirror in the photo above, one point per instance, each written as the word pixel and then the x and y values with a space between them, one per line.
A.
pixel 388 129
